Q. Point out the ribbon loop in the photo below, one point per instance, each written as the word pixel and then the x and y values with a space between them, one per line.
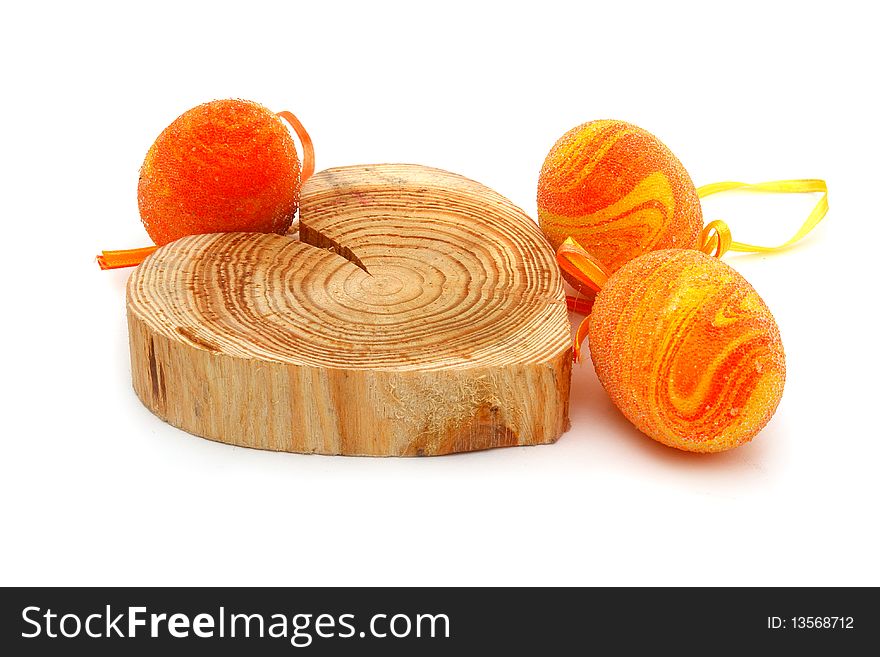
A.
pixel 805 186
pixel 308 163
pixel 574 260
pixel 715 239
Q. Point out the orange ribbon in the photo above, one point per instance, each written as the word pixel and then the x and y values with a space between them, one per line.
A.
pixel 574 260
pixel 124 258
pixel 134 257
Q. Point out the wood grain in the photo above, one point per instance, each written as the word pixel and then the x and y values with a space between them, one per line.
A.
pixel 419 313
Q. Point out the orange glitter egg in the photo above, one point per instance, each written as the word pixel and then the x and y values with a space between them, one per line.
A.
pixel 687 350
pixel 224 166
pixel 619 192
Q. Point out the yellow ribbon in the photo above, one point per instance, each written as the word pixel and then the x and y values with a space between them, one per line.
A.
pixel 715 240
pixel 716 233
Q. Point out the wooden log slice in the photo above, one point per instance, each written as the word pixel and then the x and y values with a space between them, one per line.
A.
pixel 420 313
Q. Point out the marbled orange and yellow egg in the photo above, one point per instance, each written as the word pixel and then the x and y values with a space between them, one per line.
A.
pixel 687 350
pixel 619 192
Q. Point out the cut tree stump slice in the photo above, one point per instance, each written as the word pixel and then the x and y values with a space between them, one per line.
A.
pixel 420 313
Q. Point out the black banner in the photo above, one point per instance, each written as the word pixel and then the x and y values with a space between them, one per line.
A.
pixel 113 621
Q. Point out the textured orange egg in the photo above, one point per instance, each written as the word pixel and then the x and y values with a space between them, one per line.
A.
pixel 619 192
pixel 225 166
pixel 687 350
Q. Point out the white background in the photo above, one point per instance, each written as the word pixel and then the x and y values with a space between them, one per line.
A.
pixel 96 490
